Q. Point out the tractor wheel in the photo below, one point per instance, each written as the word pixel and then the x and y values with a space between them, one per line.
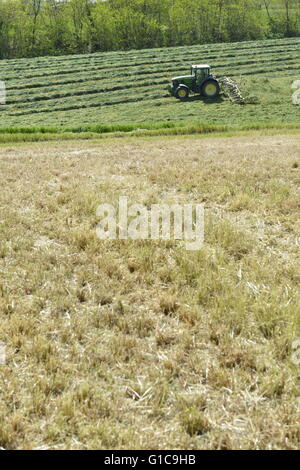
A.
pixel 182 92
pixel 210 88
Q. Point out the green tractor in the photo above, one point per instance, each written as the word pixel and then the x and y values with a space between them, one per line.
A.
pixel 200 81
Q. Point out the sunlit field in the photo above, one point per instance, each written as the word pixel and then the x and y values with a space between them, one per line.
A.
pixel 141 344
pixel 130 87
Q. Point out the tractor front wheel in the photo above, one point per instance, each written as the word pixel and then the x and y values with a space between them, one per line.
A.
pixel 182 93
pixel 210 88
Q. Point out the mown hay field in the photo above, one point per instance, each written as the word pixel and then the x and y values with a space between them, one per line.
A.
pixel 130 87
pixel 142 344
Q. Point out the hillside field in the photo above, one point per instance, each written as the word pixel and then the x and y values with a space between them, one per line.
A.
pixel 142 344
pixel 123 88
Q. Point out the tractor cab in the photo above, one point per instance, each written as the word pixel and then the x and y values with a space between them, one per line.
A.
pixel 200 72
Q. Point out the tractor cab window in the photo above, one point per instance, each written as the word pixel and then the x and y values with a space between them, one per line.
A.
pixel 200 74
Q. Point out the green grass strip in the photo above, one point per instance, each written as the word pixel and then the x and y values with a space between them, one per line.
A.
pixel 37 134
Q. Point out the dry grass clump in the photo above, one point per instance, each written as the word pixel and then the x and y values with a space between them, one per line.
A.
pixel 142 344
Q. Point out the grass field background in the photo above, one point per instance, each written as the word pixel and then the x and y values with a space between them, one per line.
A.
pixel 130 87
pixel 142 344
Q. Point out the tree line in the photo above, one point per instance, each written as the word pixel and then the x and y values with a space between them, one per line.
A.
pixel 31 28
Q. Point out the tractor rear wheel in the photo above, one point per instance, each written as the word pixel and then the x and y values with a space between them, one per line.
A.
pixel 210 88
pixel 182 92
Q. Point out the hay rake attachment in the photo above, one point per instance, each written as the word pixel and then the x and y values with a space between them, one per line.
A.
pixel 232 90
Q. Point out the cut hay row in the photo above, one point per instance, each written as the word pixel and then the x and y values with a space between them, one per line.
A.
pixel 243 65
pixel 25 99
pixel 131 86
pixel 106 60
pixel 218 62
pixel 81 103
pixel 239 59
pixel 251 46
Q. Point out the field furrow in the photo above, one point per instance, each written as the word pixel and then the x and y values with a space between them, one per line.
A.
pixel 130 86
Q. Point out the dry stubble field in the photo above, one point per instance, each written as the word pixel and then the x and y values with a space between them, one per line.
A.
pixel 142 344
